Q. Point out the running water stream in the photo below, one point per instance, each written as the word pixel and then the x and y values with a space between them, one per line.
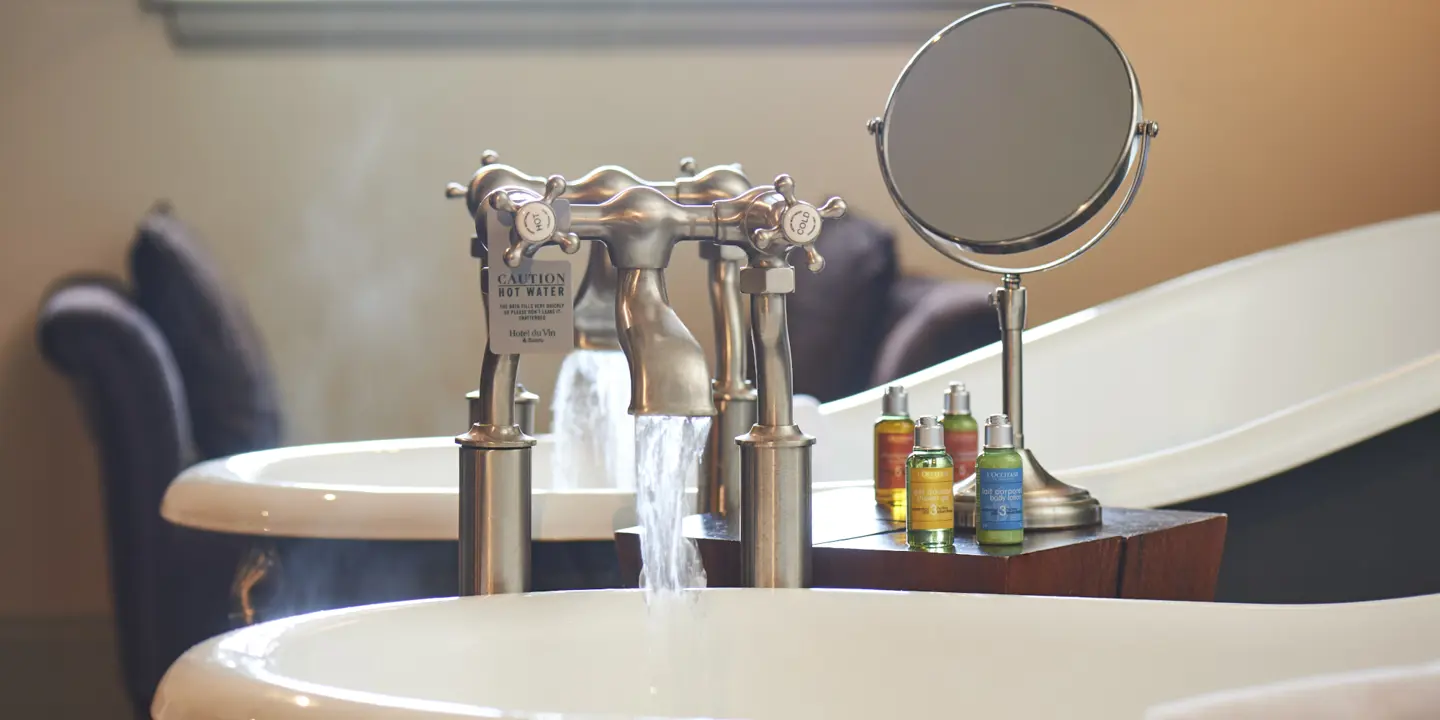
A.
pixel 594 432
pixel 667 454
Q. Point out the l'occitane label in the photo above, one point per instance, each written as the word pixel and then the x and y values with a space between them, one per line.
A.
pixel 931 499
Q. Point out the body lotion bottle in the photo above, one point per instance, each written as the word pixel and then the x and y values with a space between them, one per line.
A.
pixel 999 487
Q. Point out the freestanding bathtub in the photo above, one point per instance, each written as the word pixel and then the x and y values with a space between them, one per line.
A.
pixel 770 654
pixel 1283 388
pixel 1291 389
pixel 345 524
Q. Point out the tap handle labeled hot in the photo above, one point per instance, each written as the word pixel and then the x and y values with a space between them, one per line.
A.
pixel 537 220
pixel 797 223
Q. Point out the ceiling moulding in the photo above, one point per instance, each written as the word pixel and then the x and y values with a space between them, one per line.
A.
pixel 541 24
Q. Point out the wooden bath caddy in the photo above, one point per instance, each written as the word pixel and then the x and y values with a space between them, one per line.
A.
pixel 1143 554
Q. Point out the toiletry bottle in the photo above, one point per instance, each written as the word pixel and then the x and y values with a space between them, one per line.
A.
pixel 894 438
pixel 999 491
pixel 929 489
pixel 962 434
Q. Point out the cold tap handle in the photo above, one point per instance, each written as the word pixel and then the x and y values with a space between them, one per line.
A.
pixel 455 190
pixel 537 220
pixel 796 223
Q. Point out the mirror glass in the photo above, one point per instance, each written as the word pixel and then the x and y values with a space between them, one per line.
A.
pixel 1011 128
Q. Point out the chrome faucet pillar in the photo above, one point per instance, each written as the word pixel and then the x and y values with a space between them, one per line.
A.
pixel 495 486
pixel 775 455
pixel 775 463
pixel 731 389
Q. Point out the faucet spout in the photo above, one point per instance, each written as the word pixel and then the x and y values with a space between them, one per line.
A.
pixel 668 371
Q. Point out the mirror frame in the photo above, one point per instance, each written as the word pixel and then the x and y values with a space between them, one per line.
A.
pixel 952 245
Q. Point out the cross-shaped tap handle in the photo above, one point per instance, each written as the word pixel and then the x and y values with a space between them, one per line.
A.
pixel 536 221
pixel 797 223
pixel 455 190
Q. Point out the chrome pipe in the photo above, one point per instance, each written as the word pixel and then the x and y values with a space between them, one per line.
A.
pixel 773 372
pixel 526 403
pixel 595 304
pixel 775 536
pixel 734 395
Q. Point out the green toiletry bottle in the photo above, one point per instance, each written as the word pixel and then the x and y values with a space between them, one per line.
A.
pixel 929 489
pixel 894 438
pixel 962 434
pixel 999 487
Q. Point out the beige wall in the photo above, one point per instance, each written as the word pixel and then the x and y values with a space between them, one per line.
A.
pixel 316 178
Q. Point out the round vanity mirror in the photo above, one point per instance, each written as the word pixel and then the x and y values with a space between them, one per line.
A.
pixel 1009 129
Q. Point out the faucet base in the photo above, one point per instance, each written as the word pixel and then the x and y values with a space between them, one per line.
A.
pixel 494 510
pixel 775 534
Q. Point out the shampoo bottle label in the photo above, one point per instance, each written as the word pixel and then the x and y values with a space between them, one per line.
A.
pixel 1001 499
pixel 892 450
pixel 930 499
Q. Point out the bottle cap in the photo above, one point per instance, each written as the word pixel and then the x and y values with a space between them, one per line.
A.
pixel 957 399
pixel 998 432
pixel 929 434
pixel 896 402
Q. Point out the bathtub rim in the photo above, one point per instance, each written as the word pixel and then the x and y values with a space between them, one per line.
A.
pixel 240 671
pixel 232 495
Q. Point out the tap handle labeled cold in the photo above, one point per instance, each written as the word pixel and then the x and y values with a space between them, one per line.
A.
pixel 797 223
pixel 536 219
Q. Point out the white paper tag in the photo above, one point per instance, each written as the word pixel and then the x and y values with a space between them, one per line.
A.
pixel 531 308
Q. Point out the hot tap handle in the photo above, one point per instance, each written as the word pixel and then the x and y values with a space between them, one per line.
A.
pixel 797 223
pixel 535 220
pixel 688 167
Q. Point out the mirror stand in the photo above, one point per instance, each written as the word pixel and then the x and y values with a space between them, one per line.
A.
pixel 1009 130
pixel 1049 503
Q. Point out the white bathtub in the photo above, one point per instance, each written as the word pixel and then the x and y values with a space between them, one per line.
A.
pixel 791 654
pixel 403 489
pixel 1206 383
pixel 1211 381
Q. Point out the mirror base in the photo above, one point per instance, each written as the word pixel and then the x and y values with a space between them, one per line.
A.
pixel 1049 503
